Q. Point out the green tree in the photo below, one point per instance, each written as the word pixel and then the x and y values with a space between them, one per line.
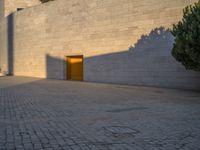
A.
pixel 44 1
pixel 186 48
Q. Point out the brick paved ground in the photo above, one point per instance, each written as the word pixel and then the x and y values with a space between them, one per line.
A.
pixel 63 115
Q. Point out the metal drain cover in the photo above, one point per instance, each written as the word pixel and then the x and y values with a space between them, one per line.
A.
pixel 126 109
pixel 120 131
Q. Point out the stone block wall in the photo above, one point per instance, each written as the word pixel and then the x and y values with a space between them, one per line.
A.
pixel 12 5
pixel 123 41
pixel 7 8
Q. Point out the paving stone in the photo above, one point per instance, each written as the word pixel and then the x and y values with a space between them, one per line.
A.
pixel 59 115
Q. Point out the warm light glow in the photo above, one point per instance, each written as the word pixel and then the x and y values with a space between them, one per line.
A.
pixel 75 68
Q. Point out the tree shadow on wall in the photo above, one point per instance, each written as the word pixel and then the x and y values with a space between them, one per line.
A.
pixel 10 43
pixel 148 62
pixel 157 37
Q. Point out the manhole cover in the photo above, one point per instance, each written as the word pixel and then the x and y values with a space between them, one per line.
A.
pixel 126 109
pixel 120 131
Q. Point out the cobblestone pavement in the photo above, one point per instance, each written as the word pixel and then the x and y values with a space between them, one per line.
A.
pixel 63 115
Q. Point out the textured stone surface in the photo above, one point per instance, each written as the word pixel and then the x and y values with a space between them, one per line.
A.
pixel 102 31
pixel 7 7
pixel 63 115
pixel 12 5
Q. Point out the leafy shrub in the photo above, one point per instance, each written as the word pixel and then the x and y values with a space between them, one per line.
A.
pixel 186 48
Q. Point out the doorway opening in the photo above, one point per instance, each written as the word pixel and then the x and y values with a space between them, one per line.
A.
pixel 74 67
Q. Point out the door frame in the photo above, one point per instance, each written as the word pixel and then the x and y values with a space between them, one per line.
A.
pixel 66 66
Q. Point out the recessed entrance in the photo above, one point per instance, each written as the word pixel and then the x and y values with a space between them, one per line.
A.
pixel 75 68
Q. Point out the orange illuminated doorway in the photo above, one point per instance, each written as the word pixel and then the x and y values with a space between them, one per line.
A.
pixel 75 68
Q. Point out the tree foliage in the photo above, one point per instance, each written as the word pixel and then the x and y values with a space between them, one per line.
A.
pixel 44 1
pixel 186 48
